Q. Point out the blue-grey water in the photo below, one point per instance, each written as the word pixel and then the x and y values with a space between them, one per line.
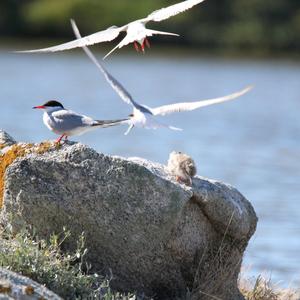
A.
pixel 252 143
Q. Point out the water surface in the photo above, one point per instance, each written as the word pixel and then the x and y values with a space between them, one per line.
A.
pixel 252 143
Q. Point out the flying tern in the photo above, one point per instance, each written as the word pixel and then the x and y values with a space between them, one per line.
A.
pixel 144 116
pixel 136 31
pixel 67 123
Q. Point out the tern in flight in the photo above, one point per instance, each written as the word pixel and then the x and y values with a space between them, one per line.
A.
pixel 136 31
pixel 67 123
pixel 144 116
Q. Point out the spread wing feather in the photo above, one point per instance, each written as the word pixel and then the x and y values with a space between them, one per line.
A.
pixel 167 12
pixel 98 37
pixel 188 106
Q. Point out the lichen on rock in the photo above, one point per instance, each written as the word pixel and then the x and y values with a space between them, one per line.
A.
pixel 14 152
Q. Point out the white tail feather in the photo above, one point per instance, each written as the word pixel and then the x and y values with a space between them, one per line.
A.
pixel 162 32
pixel 175 128
pixel 110 52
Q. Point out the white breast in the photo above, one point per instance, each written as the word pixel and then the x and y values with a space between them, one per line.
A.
pixel 137 31
pixel 139 119
pixel 49 122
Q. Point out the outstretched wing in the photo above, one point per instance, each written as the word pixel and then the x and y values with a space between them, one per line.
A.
pixel 188 106
pixel 98 37
pixel 120 90
pixel 170 11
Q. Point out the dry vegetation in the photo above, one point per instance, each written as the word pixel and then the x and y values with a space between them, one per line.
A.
pixel 220 272
pixel 263 289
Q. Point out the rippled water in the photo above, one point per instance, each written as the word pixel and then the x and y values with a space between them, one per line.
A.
pixel 252 143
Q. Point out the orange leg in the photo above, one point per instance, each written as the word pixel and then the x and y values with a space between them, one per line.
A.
pixel 147 43
pixel 136 46
pixel 182 180
pixel 143 46
pixel 59 139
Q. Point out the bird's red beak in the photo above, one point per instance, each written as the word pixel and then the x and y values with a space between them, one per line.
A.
pixel 39 107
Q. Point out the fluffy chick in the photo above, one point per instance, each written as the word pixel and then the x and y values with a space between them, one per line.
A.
pixel 182 167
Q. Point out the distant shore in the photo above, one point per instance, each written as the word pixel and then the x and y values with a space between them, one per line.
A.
pixel 170 50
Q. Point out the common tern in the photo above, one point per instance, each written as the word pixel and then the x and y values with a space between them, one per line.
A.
pixel 144 116
pixel 67 123
pixel 136 31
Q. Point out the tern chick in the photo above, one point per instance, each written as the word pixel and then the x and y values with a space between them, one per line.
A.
pixel 182 167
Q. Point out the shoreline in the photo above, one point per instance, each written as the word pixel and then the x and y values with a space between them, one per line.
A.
pixel 158 49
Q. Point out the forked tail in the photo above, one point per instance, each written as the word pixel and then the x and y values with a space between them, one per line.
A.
pixel 175 128
pixel 109 123
pixel 150 32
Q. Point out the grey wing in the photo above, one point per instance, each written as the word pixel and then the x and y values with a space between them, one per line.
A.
pixel 98 37
pixel 114 83
pixel 188 106
pixel 67 120
pixel 170 11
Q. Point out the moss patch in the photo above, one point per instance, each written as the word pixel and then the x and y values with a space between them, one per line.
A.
pixel 14 152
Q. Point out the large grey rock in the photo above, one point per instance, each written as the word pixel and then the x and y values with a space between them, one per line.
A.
pixel 18 287
pixel 155 235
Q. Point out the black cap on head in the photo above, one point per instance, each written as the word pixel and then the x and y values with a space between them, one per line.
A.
pixel 53 103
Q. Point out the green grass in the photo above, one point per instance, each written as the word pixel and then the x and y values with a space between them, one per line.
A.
pixel 63 273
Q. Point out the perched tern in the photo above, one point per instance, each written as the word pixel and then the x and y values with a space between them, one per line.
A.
pixel 144 116
pixel 182 166
pixel 67 123
pixel 136 31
